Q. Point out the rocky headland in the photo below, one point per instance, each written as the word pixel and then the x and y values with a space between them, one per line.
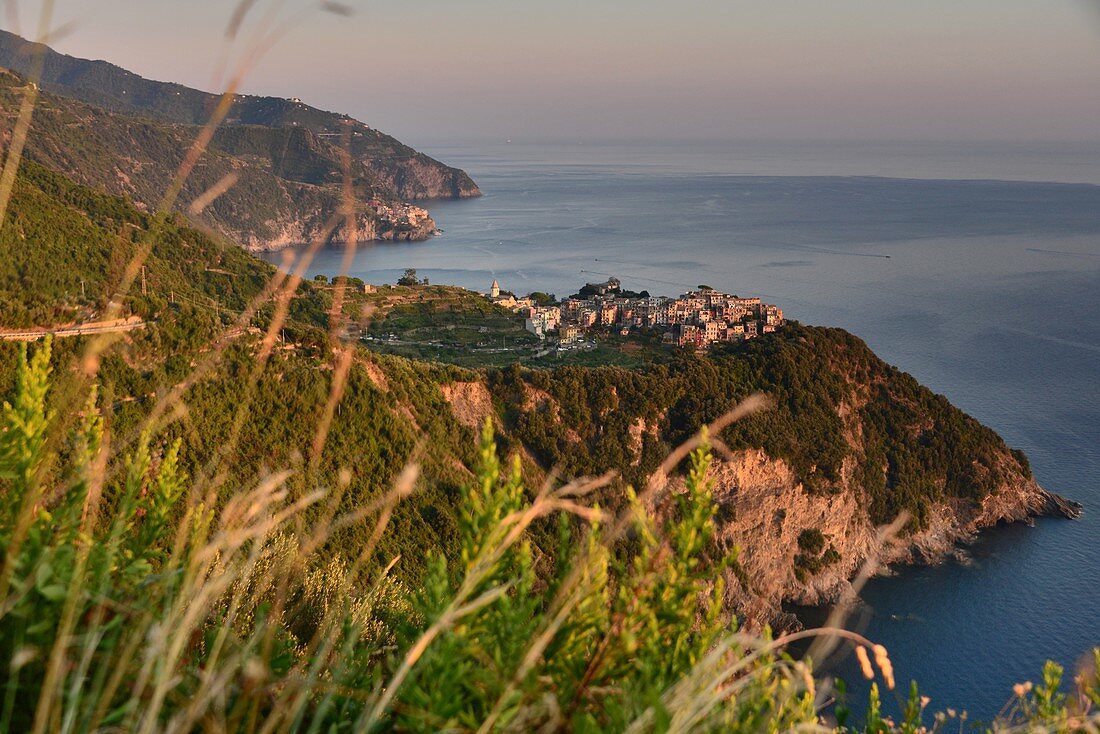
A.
pixel 272 176
pixel 803 490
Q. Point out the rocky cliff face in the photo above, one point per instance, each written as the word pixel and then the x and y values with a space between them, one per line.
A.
pixel 295 228
pixel 765 510
pixel 419 177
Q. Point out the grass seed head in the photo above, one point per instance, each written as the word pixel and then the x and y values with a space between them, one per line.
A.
pixel 864 662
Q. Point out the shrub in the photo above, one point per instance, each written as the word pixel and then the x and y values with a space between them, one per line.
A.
pixel 811 541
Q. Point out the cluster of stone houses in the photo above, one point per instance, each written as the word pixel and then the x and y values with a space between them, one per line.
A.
pixel 696 319
pixel 400 215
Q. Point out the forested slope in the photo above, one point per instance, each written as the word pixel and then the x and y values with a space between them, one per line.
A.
pixel 850 443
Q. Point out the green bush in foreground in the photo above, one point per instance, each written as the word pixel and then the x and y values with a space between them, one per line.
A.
pixel 133 601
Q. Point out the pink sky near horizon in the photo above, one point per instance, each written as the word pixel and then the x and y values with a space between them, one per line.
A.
pixel 784 69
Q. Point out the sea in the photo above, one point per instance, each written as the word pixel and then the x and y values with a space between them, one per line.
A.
pixel 974 267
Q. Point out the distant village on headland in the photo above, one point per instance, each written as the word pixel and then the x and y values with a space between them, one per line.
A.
pixel 696 319
pixel 602 324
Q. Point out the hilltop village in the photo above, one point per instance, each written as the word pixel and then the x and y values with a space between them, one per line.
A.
pixel 697 319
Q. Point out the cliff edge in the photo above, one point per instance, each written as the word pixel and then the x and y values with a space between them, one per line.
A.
pixel 851 444
pixel 804 548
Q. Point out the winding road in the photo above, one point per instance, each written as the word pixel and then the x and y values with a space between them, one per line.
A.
pixel 97 327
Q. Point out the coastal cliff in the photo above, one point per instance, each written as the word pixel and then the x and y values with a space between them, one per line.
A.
pixel 309 225
pixel 850 444
pixel 419 178
pixel 767 513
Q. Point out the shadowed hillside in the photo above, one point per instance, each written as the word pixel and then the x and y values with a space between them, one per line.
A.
pixel 279 161
pixel 286 184
pixel 410 174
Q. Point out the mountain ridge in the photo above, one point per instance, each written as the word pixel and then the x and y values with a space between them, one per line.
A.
pixel 283 191
pixel 281 172
pixel 412 174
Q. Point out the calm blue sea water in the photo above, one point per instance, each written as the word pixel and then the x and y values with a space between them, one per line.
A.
pixel 990 294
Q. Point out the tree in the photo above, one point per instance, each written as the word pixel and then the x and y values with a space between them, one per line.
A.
pixel 543 299
pixel 409 278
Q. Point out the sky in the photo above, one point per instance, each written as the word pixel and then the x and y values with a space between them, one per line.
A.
pixel 430 70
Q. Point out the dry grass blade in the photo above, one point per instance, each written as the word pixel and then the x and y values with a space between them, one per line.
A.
pixel 237 19
pixel 574 593
pixel 509 531
pixel 208 197
pixel 345 353
pixel 713 680
pixel 211 359
pixel 748 406
pixel 26 112
pixel 345 357
pixel 565 599
pixel 454 612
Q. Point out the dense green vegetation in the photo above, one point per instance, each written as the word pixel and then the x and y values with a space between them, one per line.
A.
pixel 64 248
pixel 812 553
pixel 133 604
pixel 915 448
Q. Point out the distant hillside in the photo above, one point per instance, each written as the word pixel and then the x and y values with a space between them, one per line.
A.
pixel 287 179
pixel 408 173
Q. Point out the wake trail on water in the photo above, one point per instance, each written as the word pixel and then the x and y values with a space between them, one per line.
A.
pixel 1063 252
pixel 1057 340
pixel 639 277
pixel 827 251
